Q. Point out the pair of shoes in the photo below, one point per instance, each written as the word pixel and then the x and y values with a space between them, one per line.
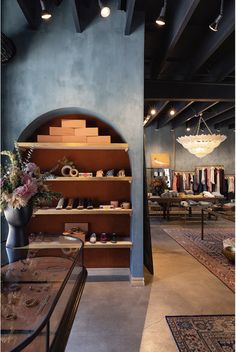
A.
pixel 103 237
pixel 113 238
pixel 85 203
pixel 93 238
pixel 70 204
pixel 99 173
pixel 110 173
pixel 121 173
pixel 60 203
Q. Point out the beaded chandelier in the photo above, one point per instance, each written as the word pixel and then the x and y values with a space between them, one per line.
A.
pixel 201 144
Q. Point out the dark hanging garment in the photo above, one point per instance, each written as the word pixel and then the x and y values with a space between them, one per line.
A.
pixel 223 188
pixel 181 183
pixel 205 188
pixel 195 184
pixel 200 186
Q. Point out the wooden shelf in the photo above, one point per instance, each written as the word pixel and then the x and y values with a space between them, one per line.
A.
pixel 53 211
pixel 79 146
pixel 118 244
pixel 91 179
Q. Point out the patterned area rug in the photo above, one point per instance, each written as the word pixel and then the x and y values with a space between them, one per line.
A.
pixel 209 251
pixel 205 333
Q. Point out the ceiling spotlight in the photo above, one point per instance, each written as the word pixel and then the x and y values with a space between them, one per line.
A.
pixel 45 15
pixel 172 112
pixel 214 25
pixel 153 112
pixel 187 127
pixel 161 21
pixel 105 10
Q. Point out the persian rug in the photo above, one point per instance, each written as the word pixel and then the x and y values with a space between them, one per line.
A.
pixel 209 251
pixel 203 333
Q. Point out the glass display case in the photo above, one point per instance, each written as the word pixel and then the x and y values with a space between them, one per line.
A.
pixel 41 286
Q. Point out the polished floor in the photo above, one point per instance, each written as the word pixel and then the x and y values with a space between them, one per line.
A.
pixel 115 317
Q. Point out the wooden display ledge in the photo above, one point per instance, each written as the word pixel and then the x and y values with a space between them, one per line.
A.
pixel 52 211
pixel 94 178
pixel 81 146
pixel 118 244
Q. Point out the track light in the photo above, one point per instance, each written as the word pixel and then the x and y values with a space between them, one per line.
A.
pixel 214 25
pixel 172 112
pixel 105 10
pixel 161 21
pixel 187 127
pixel 153 112
pixel 45 15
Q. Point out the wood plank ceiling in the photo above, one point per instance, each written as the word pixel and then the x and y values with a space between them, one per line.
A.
pixel 188 67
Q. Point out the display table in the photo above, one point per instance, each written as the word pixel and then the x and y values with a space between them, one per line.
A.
pixel 166 203
pixel 41 288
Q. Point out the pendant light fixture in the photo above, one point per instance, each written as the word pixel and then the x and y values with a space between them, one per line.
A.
pixel 201 144
pixel 214 25
pixel 161 21
pixel 45 15
pixel 105 10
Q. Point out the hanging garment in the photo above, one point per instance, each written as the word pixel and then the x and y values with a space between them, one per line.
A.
pixel 181 183
pixel 209 184
pixel 231 187
pixel 200 187
pixel 223 189
pixel 184 180
pixel 174 183
pixel 217 189
pixel 195 184
pixel 203 177
pixel 167 175
pixel 212 175
pixel 191 181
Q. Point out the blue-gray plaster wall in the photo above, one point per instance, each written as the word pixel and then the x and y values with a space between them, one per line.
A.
pixel 99 71
pixel 164 141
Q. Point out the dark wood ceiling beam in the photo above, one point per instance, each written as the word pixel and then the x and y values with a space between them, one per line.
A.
pixel 231 126
pixel 215 111
pixel 32 12
pixel 191 112
pixel 129 16
pixel 176 26
pixel 221 69
pixel 75 4
pixel 213 40
pixel 179 108
pixel 160 106
pixel 225 123
pixel 188 91
pixel 222 117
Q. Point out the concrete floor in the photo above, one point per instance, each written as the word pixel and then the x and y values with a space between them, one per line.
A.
pixel 115 317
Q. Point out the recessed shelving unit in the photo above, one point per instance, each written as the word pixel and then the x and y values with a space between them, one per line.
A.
pixel 53 211
pixel 77 146
pixel 87 158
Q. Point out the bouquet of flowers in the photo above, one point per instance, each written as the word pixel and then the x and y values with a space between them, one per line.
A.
pixel 158 185
pixel 22 183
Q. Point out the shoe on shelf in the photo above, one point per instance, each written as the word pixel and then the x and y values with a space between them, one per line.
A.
pixel 93 238
pixel 70 204
pixel 60 203
pixel 103 237
pixel 121 173
pixel 114 238
pixel 80 204
pixel 89 204
pixel 99 173
pixel 110 173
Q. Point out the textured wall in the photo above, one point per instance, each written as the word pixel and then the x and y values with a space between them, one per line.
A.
pixel 164 140
pixel 100 71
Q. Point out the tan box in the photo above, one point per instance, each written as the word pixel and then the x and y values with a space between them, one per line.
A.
pixel 99 139
pixel 90 131
pixel 73 123
pixel 61 131
pixel 47 138
pixel 74 139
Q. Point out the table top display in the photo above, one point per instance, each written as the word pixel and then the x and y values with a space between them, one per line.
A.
pixel 34 279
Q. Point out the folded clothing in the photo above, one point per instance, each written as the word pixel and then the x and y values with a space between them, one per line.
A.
pixel 217 194
pixel 188 191
pixel 208 194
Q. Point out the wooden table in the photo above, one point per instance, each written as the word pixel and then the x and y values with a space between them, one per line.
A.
pixel 166 203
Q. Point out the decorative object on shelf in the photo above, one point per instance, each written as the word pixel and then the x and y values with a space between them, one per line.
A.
pixel 74 173
pixel 65 171
pixel 99 173
pixel 85 174
pixel 22 186
pixel 103 237
pixel 110 173
pixel 158 185
pixel 93 238
pixel 201 145
pixel 125 205
pixel 114 203
pixel 114 238
pixel 121 173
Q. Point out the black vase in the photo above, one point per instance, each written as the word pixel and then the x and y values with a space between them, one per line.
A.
pixel 17 219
